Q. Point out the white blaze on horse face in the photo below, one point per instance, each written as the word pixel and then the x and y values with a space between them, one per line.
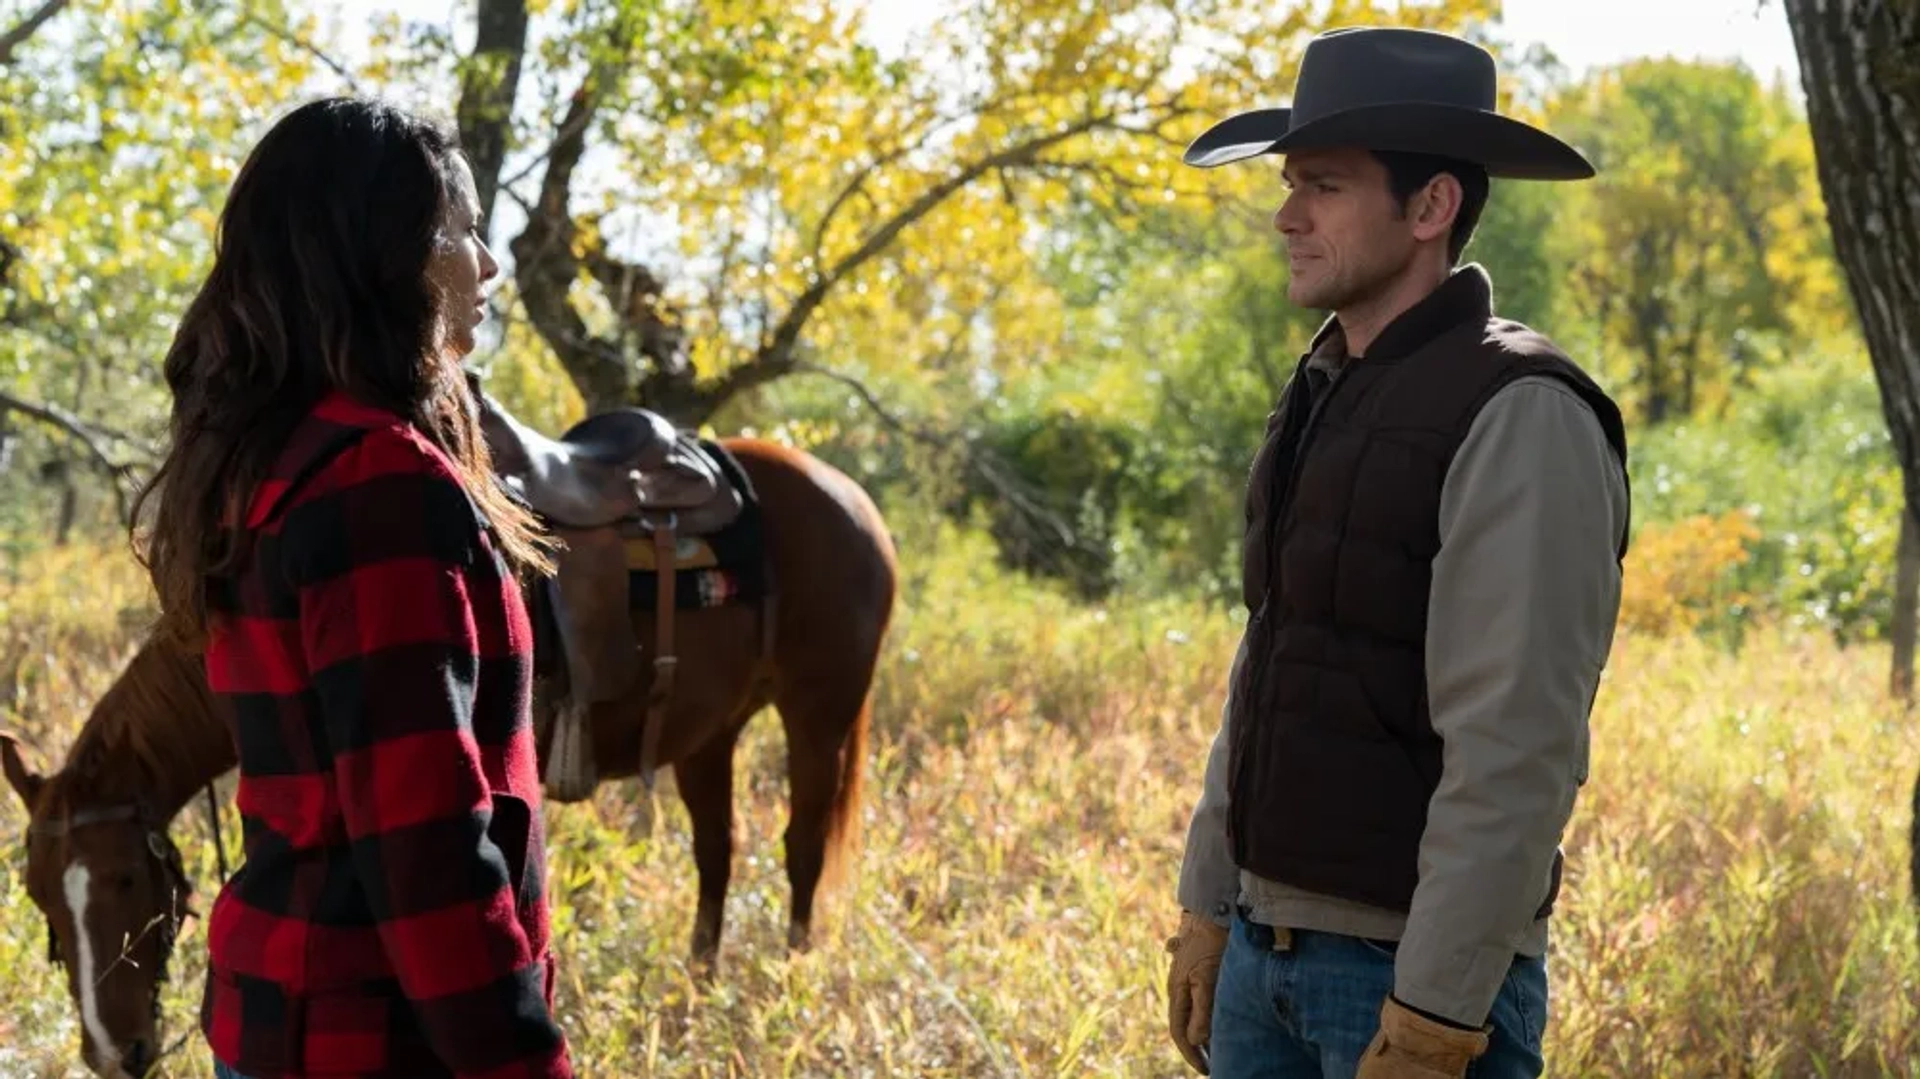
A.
pixel 77 883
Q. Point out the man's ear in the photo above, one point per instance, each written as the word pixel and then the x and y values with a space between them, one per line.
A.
pixel 1437 206
pixel 25 782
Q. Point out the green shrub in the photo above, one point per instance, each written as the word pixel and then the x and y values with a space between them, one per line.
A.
pixel 1806 453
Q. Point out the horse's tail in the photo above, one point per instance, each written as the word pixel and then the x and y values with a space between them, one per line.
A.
pixel 844 832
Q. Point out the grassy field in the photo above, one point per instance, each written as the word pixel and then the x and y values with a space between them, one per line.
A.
pixel 1736 902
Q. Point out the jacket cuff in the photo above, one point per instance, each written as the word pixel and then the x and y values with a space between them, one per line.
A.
pixel 1452 987
pixel 1430 1016
pixel 1209 885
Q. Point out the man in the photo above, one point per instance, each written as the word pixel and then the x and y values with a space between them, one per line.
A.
pixel 1434 531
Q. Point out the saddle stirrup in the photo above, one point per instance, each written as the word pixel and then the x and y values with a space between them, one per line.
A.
pixel 570 771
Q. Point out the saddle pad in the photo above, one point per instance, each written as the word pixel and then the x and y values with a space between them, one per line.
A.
pixel 728 566
pixel 690 552
pixel 692 589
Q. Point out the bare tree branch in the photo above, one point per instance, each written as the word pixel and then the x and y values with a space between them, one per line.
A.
pixel 18 35
pixel 545 263
pixel 248 18
pixel 88 438
pixel 59 337
pixel 545 266
pixel 775 358
pixel 644 360
pixel 54 416
pixel 638 298
pixel 857 185
pixel 982 461
pixel 533 164
pixel 873 403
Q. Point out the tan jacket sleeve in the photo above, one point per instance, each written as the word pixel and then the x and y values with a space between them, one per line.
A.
pixel 1209 881
pixel 1525 593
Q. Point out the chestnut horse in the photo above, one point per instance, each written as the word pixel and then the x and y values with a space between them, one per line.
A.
pixel 100 864
pixel 98 852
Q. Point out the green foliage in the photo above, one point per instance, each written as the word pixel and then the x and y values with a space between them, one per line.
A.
pixel 1807 453
pixel 1699 254
pixel 1078 354
pixel 1521 242
pixel 121 126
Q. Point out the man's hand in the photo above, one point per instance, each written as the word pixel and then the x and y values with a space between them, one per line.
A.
pixel 1196 951
pixel 1411 1046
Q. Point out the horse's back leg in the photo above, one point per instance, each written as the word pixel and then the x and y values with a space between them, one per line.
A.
pixel 826 728
pixel 705 782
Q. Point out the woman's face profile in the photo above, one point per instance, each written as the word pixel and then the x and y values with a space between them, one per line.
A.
pixel 460 266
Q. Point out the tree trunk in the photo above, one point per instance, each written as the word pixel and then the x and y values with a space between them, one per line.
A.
pixel 1906 594
pixel 1657 403
pixel 1860 67
pixel 69 487
pixel 69 509
pixel 645 356
pixel 488 86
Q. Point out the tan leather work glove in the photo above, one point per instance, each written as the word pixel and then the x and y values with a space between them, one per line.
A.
pixel 1408 1045
pixel 1196 951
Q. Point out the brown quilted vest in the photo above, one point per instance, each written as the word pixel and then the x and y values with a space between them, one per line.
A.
pixel 1333 753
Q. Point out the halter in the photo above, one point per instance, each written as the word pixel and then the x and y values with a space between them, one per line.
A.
pixel 163 851
pixel 161 846
pixel 156 837
pixel 84 817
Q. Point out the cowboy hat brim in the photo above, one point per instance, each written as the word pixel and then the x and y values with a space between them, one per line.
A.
pixel 1505 147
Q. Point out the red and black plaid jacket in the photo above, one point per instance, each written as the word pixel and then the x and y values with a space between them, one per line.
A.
pixel 390 917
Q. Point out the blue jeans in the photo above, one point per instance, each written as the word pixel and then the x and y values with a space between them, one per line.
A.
pixel 221 1071
pixel 1309 1012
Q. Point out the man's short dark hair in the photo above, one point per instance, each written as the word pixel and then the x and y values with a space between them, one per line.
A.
pixel 1408 173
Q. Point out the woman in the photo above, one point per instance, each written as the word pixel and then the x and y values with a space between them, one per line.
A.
pixel 325 525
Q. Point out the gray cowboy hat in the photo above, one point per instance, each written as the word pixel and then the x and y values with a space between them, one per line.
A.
pixel 1393 88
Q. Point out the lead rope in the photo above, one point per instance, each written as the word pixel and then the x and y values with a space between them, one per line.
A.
pixel 220 851
pixel 219 841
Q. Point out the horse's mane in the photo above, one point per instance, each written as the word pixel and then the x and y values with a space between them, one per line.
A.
pixel 145 717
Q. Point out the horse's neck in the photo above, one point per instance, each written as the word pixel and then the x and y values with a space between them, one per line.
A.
pixel 206 754
pixel 159 735
pixel 507 438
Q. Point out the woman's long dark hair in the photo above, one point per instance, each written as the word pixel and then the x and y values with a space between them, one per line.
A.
pixel 318 283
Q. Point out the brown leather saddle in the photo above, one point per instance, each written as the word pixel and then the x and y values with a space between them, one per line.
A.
pixel 624 467
pixel 612 477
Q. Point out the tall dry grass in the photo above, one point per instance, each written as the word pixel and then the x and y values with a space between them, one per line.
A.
pixel 1735 902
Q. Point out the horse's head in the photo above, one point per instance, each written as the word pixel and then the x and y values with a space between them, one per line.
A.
pixel 112 889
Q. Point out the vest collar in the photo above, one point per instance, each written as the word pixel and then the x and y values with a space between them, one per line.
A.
pixel 1467 293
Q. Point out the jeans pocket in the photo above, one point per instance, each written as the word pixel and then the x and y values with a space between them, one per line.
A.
pixel 1385 949
pixel 1527 985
